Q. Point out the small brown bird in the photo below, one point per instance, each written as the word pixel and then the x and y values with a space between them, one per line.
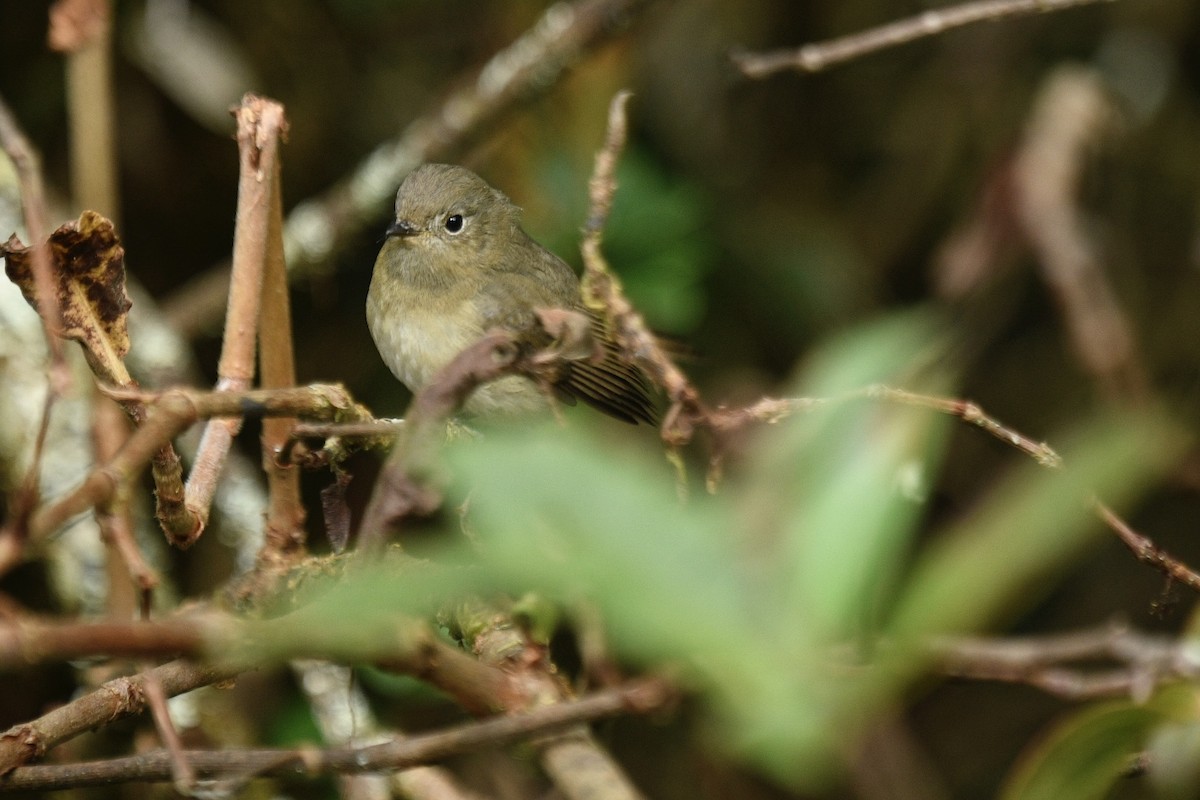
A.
pixel 456 263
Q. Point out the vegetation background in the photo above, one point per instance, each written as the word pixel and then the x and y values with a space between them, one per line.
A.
pixel 756 220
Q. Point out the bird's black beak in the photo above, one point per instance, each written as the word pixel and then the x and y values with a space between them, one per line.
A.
pixel 401 227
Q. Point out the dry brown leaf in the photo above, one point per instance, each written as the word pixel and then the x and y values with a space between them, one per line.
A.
pixel 89 274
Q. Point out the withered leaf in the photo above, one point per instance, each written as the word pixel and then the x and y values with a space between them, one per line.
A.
pixel 89 275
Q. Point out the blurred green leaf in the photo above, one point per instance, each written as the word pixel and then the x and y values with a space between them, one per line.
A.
pixel 831 482
pixel 563 511
pixel 1085 755
pixel 1173 749
pixel 1001 557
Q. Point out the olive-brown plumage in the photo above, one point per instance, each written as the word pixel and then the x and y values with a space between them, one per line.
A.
pixel 456 263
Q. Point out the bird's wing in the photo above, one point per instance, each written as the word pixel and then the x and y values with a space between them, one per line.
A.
pixel 610 384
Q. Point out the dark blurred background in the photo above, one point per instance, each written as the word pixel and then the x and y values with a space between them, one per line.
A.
pixel 754 218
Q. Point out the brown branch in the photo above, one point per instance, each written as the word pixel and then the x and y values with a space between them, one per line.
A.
pixel 578 765
pixel 1071 117
pixel 110 432
pixel 173 412
pixel 260 124
pixel 182 774
pixel 820 55
pixel 33 206
pixel 1146 551
pixel 342 713
pixel 400 491
pixel 531 66
pixel 112 701
pixel 636 697
pixel 283 540
pixel 82 29
pixel 1142 547
pixel 1101 662
pixel 602 291
pixel 28 642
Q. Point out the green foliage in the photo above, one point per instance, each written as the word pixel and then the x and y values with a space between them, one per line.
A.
pixel 658 238
pixel 785 601
pixel 1093 749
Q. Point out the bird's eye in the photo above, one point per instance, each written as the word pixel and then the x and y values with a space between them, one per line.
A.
pixel 454 223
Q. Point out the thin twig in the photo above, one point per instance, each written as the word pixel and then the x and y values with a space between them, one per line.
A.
pixel 182 773
pixel 636 697
pixel 33 205
pixel 110 432
pixel 399 492
pixel 341 711
pixel 576 762
pixel 1147 551
pixel 1143 548
pixel 820 55
pixel 1100 662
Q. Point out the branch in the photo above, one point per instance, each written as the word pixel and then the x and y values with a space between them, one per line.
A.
pixel 33 205
pixel 602 292
pixel 14 534
pixel 637 697
pixel 1102 662
pixel 579 766
pixel 402 489
pixel 343 714
pixel 82 30
pixel 816 57
pixel 113 700
pixel 173 412
pixel 283 538
pixel 1071 117
pixel 260 124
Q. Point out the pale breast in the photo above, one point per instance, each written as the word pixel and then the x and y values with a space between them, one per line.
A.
pixel 416 342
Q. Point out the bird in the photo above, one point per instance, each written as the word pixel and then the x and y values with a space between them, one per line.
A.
pixel 456 263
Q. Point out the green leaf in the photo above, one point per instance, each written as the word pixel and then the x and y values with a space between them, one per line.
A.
pixel 562 510
pixel 832 485
pixel 1002 557
pixel 1089 752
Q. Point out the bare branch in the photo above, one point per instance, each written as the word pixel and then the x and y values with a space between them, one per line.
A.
pixel 112 701
pixel 399 491
pixel 82 29
pixel 283 541
pixel 634 698
pixel 602 291
pixel 820 55
pixel 260 124
pixel 1071 117
pixel 1102 662
pixel 14 534
pixel 173 412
